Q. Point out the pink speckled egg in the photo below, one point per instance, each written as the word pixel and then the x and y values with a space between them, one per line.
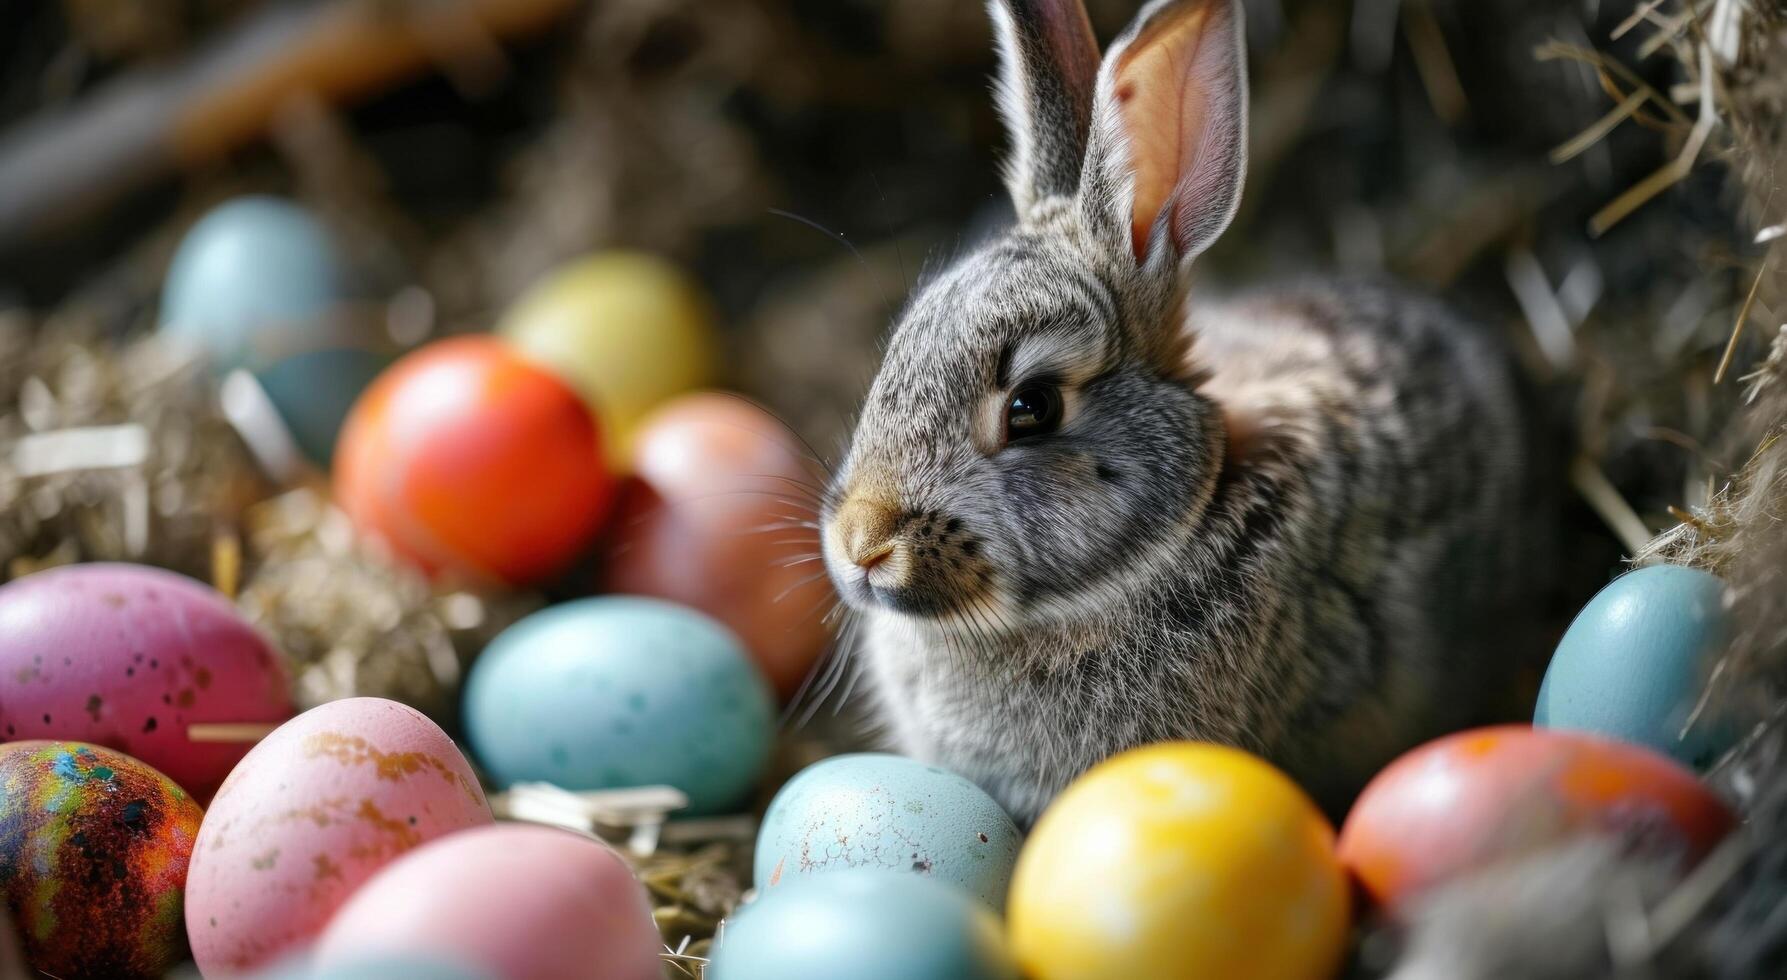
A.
pixel 315 809
pixel 127 656
pixel 524 902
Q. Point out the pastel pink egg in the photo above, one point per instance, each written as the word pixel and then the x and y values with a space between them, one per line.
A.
pixel 524 902
pixel 314 810
pixel 128 656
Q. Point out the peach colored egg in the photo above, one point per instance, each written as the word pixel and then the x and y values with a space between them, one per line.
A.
pixel 715 521
pixel 309 814
pixel 524 902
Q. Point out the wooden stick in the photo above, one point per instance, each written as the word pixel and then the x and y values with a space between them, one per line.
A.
pixel 231 731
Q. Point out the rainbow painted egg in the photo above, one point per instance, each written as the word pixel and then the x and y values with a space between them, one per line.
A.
pixel 93 852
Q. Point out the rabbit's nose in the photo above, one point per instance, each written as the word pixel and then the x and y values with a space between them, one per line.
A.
pixel 866 529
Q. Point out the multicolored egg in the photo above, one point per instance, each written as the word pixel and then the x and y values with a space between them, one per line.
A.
pixel 129 656
pixel 1634 662
pixel 723 518
pixel 1478 797
pixel 309 814
pixel 865 924
pixel 464 458
pixel 629 330
pixel 93 856
pixel 621 691
pixel 522 902
pixel 1180 860
pixel 890 813
pixel 389 966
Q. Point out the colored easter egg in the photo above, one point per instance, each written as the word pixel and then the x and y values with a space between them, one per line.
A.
pixel 621 691
pixel 523 902
pixel 129 656
pixel 887 812
pixel 1633 663
pixel 314 391
pixel 378 966
pixel 93 855
pixel 723 518
pixel 627 329
pixel 310 813
pixel 465 458
pixel 1474 798
pixel 865 924
pixel 1181 859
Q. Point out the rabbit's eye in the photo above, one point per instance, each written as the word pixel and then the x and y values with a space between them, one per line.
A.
pixel 1035 410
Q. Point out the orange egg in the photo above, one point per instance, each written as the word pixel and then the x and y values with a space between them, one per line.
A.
pixel 470 461
pixel 720 518
pixel 1471 799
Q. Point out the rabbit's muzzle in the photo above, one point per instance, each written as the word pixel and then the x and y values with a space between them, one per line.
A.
pixel 918 563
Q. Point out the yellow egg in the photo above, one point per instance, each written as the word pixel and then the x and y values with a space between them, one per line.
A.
pixel 1180 860
pixel 626 329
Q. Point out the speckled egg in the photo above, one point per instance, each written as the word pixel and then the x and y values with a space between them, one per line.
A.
pixel 523 902
pixel 884 811
pixel 128 656
pixel 1180 861
pixel 865 924
pixel 93 855
pixel 621 691
pixel 1478 797
pixel 1633 664
pixel 309 814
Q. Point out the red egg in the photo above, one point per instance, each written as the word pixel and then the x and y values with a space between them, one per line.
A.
pixel 1475 798
pixel 470 461
pixel 722 517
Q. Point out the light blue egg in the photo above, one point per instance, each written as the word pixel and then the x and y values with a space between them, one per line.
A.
pixel 249 280
pixel 892 813
pixel 622 691
pixel 395 966
pixel 315 390
pixel 1633 663
pixel 865 925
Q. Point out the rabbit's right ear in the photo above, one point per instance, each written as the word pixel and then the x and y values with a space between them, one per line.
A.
pixel 1048 68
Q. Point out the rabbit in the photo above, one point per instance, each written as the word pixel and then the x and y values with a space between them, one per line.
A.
pixel 1081 512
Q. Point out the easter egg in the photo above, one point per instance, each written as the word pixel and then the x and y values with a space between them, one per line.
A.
pixel 93 854
pixel 891 813
pixel 128 657
pixel 723 518
pixel 309 814
pixel 627 329
pixel 864 924
pixel 465 458
pixel 314 391
pixel 621 691
pixel 1178 860
pixel 386 966
pixel 251 281
pixel 1633 663
pixel 1471 799
pixel 523 902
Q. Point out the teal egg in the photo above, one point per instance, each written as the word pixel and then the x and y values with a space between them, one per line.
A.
pixel 1633 663
pixel 315 390
pixel 250 282
pixel 890 813
pixel 621 691
pixel 396 966
pixel 866 925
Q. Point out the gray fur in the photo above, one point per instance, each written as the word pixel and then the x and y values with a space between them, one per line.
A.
pixel 1326 599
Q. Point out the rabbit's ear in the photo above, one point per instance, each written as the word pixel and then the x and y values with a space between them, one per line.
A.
pixel 1169 140
pixel 1048 67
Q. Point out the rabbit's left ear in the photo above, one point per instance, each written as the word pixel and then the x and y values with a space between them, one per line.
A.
pixel 1048 67
pixel 1169 138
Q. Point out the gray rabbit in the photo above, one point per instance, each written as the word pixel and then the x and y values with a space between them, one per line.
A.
pixel 1082 513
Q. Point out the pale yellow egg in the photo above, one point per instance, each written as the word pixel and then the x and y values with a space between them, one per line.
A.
pixel 628 330
pixel 1180 860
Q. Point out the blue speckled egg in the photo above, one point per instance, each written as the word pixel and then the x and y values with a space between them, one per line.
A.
pixel 315 390
pixel 250 281
pixel 621 691
pixel 1633 663
pixel 863 924
pixel 888 812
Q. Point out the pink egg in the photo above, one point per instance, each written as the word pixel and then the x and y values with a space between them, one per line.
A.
pixel 128 656
pixel 524 902
pixel 315 809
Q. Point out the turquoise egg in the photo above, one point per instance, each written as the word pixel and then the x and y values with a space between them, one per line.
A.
pixel 397 966
pixel 890 813
pixel 865 925
pixel 1633 663
pixel 315 390
pixel 621 691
